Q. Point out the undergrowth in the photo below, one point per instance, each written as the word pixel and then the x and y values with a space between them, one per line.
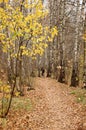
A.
pixel 21 103
pixel 80 95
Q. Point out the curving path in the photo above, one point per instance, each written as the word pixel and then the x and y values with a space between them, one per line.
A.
pixel 53 108
pixel 63 111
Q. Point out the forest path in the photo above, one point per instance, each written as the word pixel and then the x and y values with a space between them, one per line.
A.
pixel 63 112
pixel 53 108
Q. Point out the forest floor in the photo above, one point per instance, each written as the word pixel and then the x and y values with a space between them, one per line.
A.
pixel 51 106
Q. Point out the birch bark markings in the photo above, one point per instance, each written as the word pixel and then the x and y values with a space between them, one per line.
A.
pixel 69 17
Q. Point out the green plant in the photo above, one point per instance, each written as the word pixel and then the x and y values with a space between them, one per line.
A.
pixel 80 95
pixel 19 103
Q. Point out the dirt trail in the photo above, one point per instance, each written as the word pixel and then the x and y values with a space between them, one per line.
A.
pixel 63 111
pixel 53 108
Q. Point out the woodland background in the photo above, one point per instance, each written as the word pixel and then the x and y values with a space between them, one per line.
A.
pixel 26 52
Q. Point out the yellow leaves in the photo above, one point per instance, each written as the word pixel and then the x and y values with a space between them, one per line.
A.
pixel 14 55
pixel 2 36
pixel 7 96
pixel 39 5
pixel 29 6
pixel 5 88
pixel 1 11
pixel 49 39
pixel 25 52
pixel 37 29
pixel 22 47
pixel 5 1
pixel 34 58
pixel 29 27
pixel 39 13
pixel 38 49
pixel 45 45
pixel 42 38
pixel 54 32
pixel 84 36
pixel 27 18
pixel 17 94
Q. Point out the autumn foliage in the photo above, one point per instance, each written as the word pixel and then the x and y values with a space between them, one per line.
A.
pixel 22 34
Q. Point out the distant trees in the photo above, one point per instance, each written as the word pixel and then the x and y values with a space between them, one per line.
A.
pixel 64 59
pixel 66 52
